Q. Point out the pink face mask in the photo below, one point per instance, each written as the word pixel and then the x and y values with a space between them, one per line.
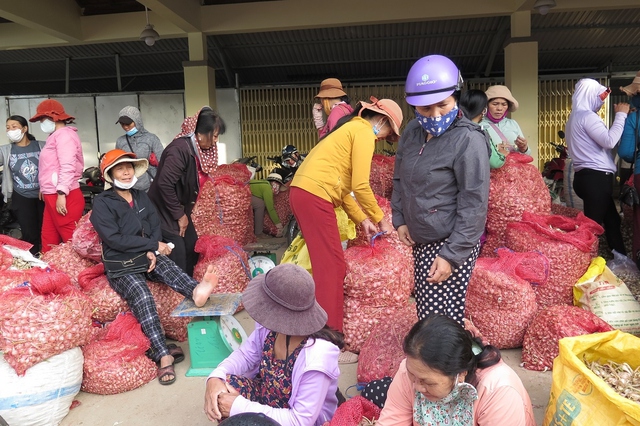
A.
pixel 494 119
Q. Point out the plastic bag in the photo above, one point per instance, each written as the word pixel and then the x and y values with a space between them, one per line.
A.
pixel 622 265
pixel 579 397
pixel 298 254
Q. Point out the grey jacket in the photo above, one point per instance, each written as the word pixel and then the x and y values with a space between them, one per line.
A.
pixel 7 176
pixel 441 187
pixel 143 144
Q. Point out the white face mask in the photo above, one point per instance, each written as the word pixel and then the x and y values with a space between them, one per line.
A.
pixel 120 185
pixel 48 126
pixel 15 135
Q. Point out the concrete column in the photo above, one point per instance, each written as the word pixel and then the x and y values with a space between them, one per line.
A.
pixel 521 77
pixel 199 77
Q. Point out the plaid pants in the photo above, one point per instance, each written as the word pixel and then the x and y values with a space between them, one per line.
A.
pixel 133 288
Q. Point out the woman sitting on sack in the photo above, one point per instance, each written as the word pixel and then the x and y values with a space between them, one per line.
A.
pixel 133 252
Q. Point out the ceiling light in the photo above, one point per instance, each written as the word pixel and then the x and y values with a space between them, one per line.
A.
pixel 149 35
pixel 543 6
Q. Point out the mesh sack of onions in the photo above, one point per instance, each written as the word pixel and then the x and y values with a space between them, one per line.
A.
pixel 355 411
pixel 230 263
pixel 6 259
pixel 117 362
pixel 381 175
pixel 14 242
pixel 106 304
pixel 224 208
pixel 43 319
pixel 166 300
pixel 561 210
pixel 568 244
pixel 514 188
pixel 14 278
pixel 540 345
pixel 381 352
pixel 85 240
pixel 238 171
pixel 283 208
pixel 500 299
pixel 65 259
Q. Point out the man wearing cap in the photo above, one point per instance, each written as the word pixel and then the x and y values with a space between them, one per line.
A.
pixel 139 141
pixel 334 102
pixel 262 193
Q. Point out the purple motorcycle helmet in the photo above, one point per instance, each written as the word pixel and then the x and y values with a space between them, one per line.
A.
pixel 432 79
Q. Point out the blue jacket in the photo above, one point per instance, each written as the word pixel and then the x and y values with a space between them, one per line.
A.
pixel 628 141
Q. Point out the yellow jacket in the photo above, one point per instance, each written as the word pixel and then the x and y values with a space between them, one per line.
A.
pixel 340 164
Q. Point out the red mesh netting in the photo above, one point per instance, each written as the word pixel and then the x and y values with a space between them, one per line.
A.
pixel 283 208
pixel 105 302
pixel 64 258
pixel 354 412
pixel 166 301
pixel 85 240
pixel 230 263
pixel 238 171
pixel 14 242
pixel 381 176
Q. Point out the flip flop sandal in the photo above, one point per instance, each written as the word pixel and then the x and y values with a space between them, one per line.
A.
pixel 164 372
pixel 176 352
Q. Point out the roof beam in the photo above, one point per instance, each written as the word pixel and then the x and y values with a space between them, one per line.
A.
pixel 184 14
pixel 60 18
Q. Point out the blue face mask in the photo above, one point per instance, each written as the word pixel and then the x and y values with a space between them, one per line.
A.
pixel 436 126
pixel 378 127
pixel 132 132
pixel 635 101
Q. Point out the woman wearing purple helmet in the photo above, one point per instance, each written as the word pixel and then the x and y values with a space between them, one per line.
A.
pixel 440 187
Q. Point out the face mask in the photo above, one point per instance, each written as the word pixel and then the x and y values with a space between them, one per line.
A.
pixel 436 126
pixel 496 119
pixel 132 131
pixel 48 126
pixel 378 127
pixel 455 409
pixel 635 101
pixel 15 135
pixel 129 185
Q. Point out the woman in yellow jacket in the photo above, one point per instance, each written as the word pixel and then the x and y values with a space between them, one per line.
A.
pixel 337 166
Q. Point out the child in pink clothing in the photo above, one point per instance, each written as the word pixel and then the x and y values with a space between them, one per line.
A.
pixel 451 378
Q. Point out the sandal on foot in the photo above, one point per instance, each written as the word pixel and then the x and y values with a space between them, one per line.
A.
pixel 176 352
pixel 164 372
pixel 347 357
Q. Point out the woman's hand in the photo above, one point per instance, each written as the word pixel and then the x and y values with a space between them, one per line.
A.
pixel 183 222
pixel 621 107
pixel 61 204
pixel 152 260
pixel 503 148
pixel 440 271
pixel 369 228
pixel 521 143
pixel 225 401
pixel 385 226
pixel 214 388
pixel 163 248
pixel 404 237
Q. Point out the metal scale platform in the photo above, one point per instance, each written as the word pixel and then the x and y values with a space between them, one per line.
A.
pixel 263 258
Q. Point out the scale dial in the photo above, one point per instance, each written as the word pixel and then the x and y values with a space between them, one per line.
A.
pixel 231 332
pixel 260 265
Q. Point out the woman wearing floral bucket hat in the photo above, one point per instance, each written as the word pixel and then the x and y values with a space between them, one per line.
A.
pixel 61 165
pixel 331 102
pixel 337 166
pixel 288 367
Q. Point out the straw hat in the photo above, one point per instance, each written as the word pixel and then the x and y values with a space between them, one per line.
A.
pixel 390 109
pixel 499 91
pixel 634 87
pixel 331 88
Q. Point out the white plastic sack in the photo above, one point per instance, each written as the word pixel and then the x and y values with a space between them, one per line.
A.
pixel 43 396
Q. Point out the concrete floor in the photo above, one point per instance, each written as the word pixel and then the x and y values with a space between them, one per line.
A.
pixel 182 403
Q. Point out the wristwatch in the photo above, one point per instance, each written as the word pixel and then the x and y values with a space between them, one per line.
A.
pixel 60 192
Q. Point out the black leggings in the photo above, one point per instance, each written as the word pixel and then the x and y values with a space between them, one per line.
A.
pixel 596 190
pixel 183 254
pixel 29 212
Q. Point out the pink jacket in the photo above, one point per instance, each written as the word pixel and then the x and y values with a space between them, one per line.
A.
pixel 339 110
pixel 61 162
pixel 502 399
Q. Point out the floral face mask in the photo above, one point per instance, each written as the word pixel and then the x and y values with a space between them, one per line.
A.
pixel 455 409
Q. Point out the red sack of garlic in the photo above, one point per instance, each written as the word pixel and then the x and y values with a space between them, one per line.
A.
pixel 514 188
pixel 43 319
pixel 230 263
pixel 116 362
pixel 166 300
pixel 14 242
pixel 283 208
pixel 238 171
pixel 540 345
pixel 568 243
pixel 382 352
pixel 224 208
pixel 381 176
pixel 85 240
pixel 106 304
pixel 500 300
pixel 64 258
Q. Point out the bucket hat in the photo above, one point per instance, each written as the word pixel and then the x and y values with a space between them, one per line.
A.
pixel 283 300
pixel 331 88
pixel 634 87
pixel 117 156
pixel 276 177
pixel 52 109
pixel 499 91
pixel 390 109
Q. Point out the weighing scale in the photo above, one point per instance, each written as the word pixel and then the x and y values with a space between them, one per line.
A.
pixel 213 333
pixel 263 258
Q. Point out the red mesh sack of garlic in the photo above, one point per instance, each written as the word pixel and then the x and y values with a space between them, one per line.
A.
pixel 43 319
pixel 514 188
pixel 116 362
pixel 14 242
pixel 65 259
pixel 378 281
pixel 224 208
pixel 230 263
pixel 568 243
pixel 106 304
pixel 85 240
pixel 381 353
pixel 11 278
pixel 355 411
pixel 166 300
pixel 500 300
pixel 238 171
pixel 540 345
pixel 381 175
pixel 283 208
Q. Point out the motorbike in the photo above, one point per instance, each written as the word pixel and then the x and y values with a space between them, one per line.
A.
pixel 292 229
pixel 553 170
pixel 91 184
